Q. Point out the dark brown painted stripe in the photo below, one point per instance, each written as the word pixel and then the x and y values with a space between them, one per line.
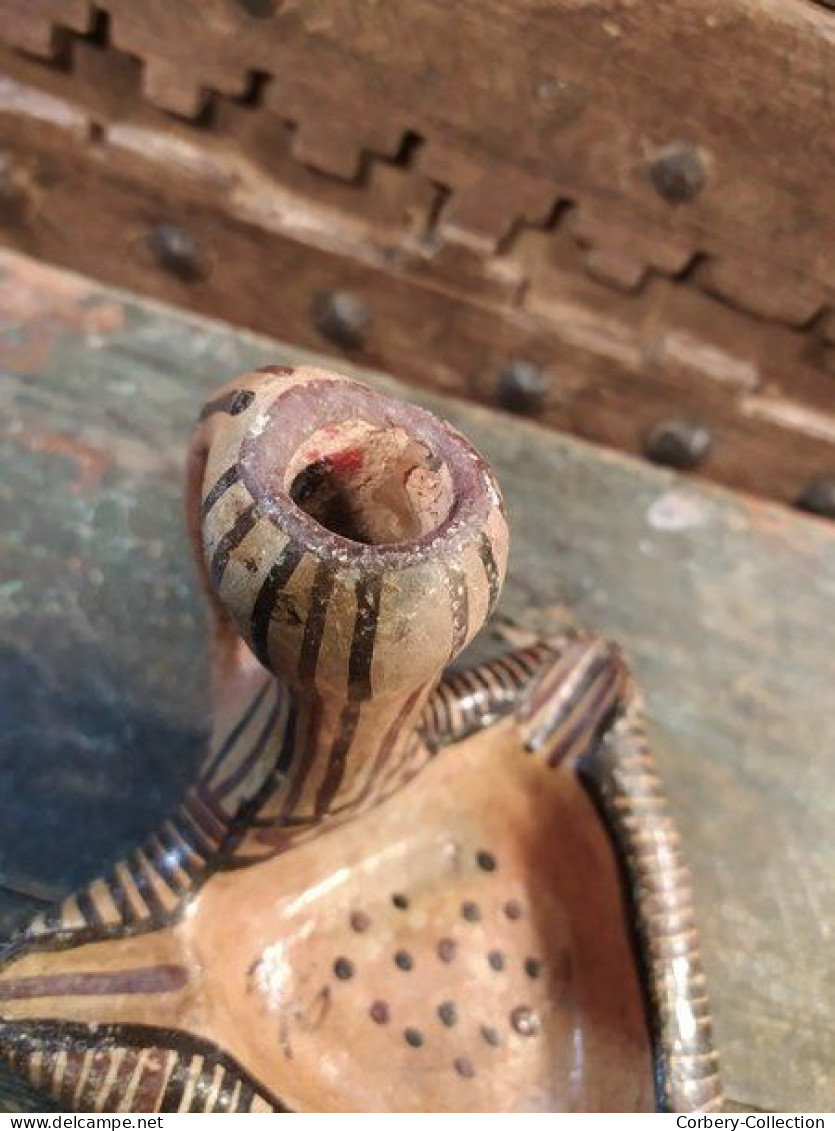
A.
pixel 438 726
pixel 224 1091
pixel 396 772
pixel 211 827
pixel 516 673
pixel 320 595
pixel 168 862
pixel 552 680
pixel 175 844
pixel 175 1086
pixel 503 678
pixel 51 1037
pixel 193 835
pixel 479 680
pixel 120 898
pixel 491 570
pixel 584 706
pixel 368 592
pixel 65 1095
pixel 246 1096
pixel 230 476
pixel 120 1080
pixel 202 1085
pixel 436 720
pixel 513 677
pixel 136 866
pixel 458 609
pixel 338 757
pixel 87 907
pixel 280 573
pixel 93 983
pixel 595 720
pixel 230 541
pixel 250 759
pixel 307 752
pixel 235 733
pixel 164 869
pixel 386 747
pixel 287 753
pixel 596 661
pixel 207 799
pixel 232 403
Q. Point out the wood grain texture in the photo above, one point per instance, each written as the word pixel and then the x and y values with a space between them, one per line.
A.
pixel 722 603
pixel 630 202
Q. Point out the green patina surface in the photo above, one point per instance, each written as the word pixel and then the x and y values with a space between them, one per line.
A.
pixel 725 606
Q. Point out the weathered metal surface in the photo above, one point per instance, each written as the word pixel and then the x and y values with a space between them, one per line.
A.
pixel 724 605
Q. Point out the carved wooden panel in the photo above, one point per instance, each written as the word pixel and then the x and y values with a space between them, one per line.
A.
pixel 639 204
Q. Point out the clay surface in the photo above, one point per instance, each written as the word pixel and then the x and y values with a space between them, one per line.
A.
pixel 388 888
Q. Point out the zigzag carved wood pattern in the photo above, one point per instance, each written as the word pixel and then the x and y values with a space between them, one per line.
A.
pixel 490 198
pixel 439 205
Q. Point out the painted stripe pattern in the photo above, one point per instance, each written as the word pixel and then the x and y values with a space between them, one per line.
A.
pixel 150 886
pixel 285 762
pixel 230 477
pixel 563 692
pixel 280 573
pixel 368 593
pixel 491 571
pixel 232 403
pixel 621 776
pixel 242 526
pixel 458 609
pixel 124 1068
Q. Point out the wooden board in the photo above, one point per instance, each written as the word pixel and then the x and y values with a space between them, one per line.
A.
pixel 724 605
pixel 637 200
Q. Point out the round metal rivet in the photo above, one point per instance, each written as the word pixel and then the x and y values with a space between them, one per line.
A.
pixel 522 387
pixel 678 173
pixel 177 252
pixel 818 497
pixel 680 443
pixel 341 318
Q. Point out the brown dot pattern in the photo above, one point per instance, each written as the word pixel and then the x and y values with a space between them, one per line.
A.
pixel 379 1012
pixel 447 949
pixel 466 1022
pixel 359 921
pixel 343 968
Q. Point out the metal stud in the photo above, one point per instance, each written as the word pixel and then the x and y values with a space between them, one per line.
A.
pixel 8 184
pixel 13 184
pixel 818 497
pixel 341 318
pixel 683 444
pixel 259 9
pixel 522 387
pixel 678 173
pixel 178 253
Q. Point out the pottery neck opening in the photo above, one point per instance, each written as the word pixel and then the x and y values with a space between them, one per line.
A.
pixel 375 553
pixel 375 486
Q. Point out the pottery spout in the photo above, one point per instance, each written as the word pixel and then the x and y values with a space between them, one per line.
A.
pixel 356 544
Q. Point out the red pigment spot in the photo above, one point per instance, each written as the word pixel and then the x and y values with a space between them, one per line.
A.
pixel 346 462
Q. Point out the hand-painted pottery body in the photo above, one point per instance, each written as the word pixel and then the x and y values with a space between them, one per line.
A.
pixel 389 888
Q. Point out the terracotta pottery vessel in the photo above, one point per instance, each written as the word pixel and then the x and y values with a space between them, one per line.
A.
pixel 389 888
